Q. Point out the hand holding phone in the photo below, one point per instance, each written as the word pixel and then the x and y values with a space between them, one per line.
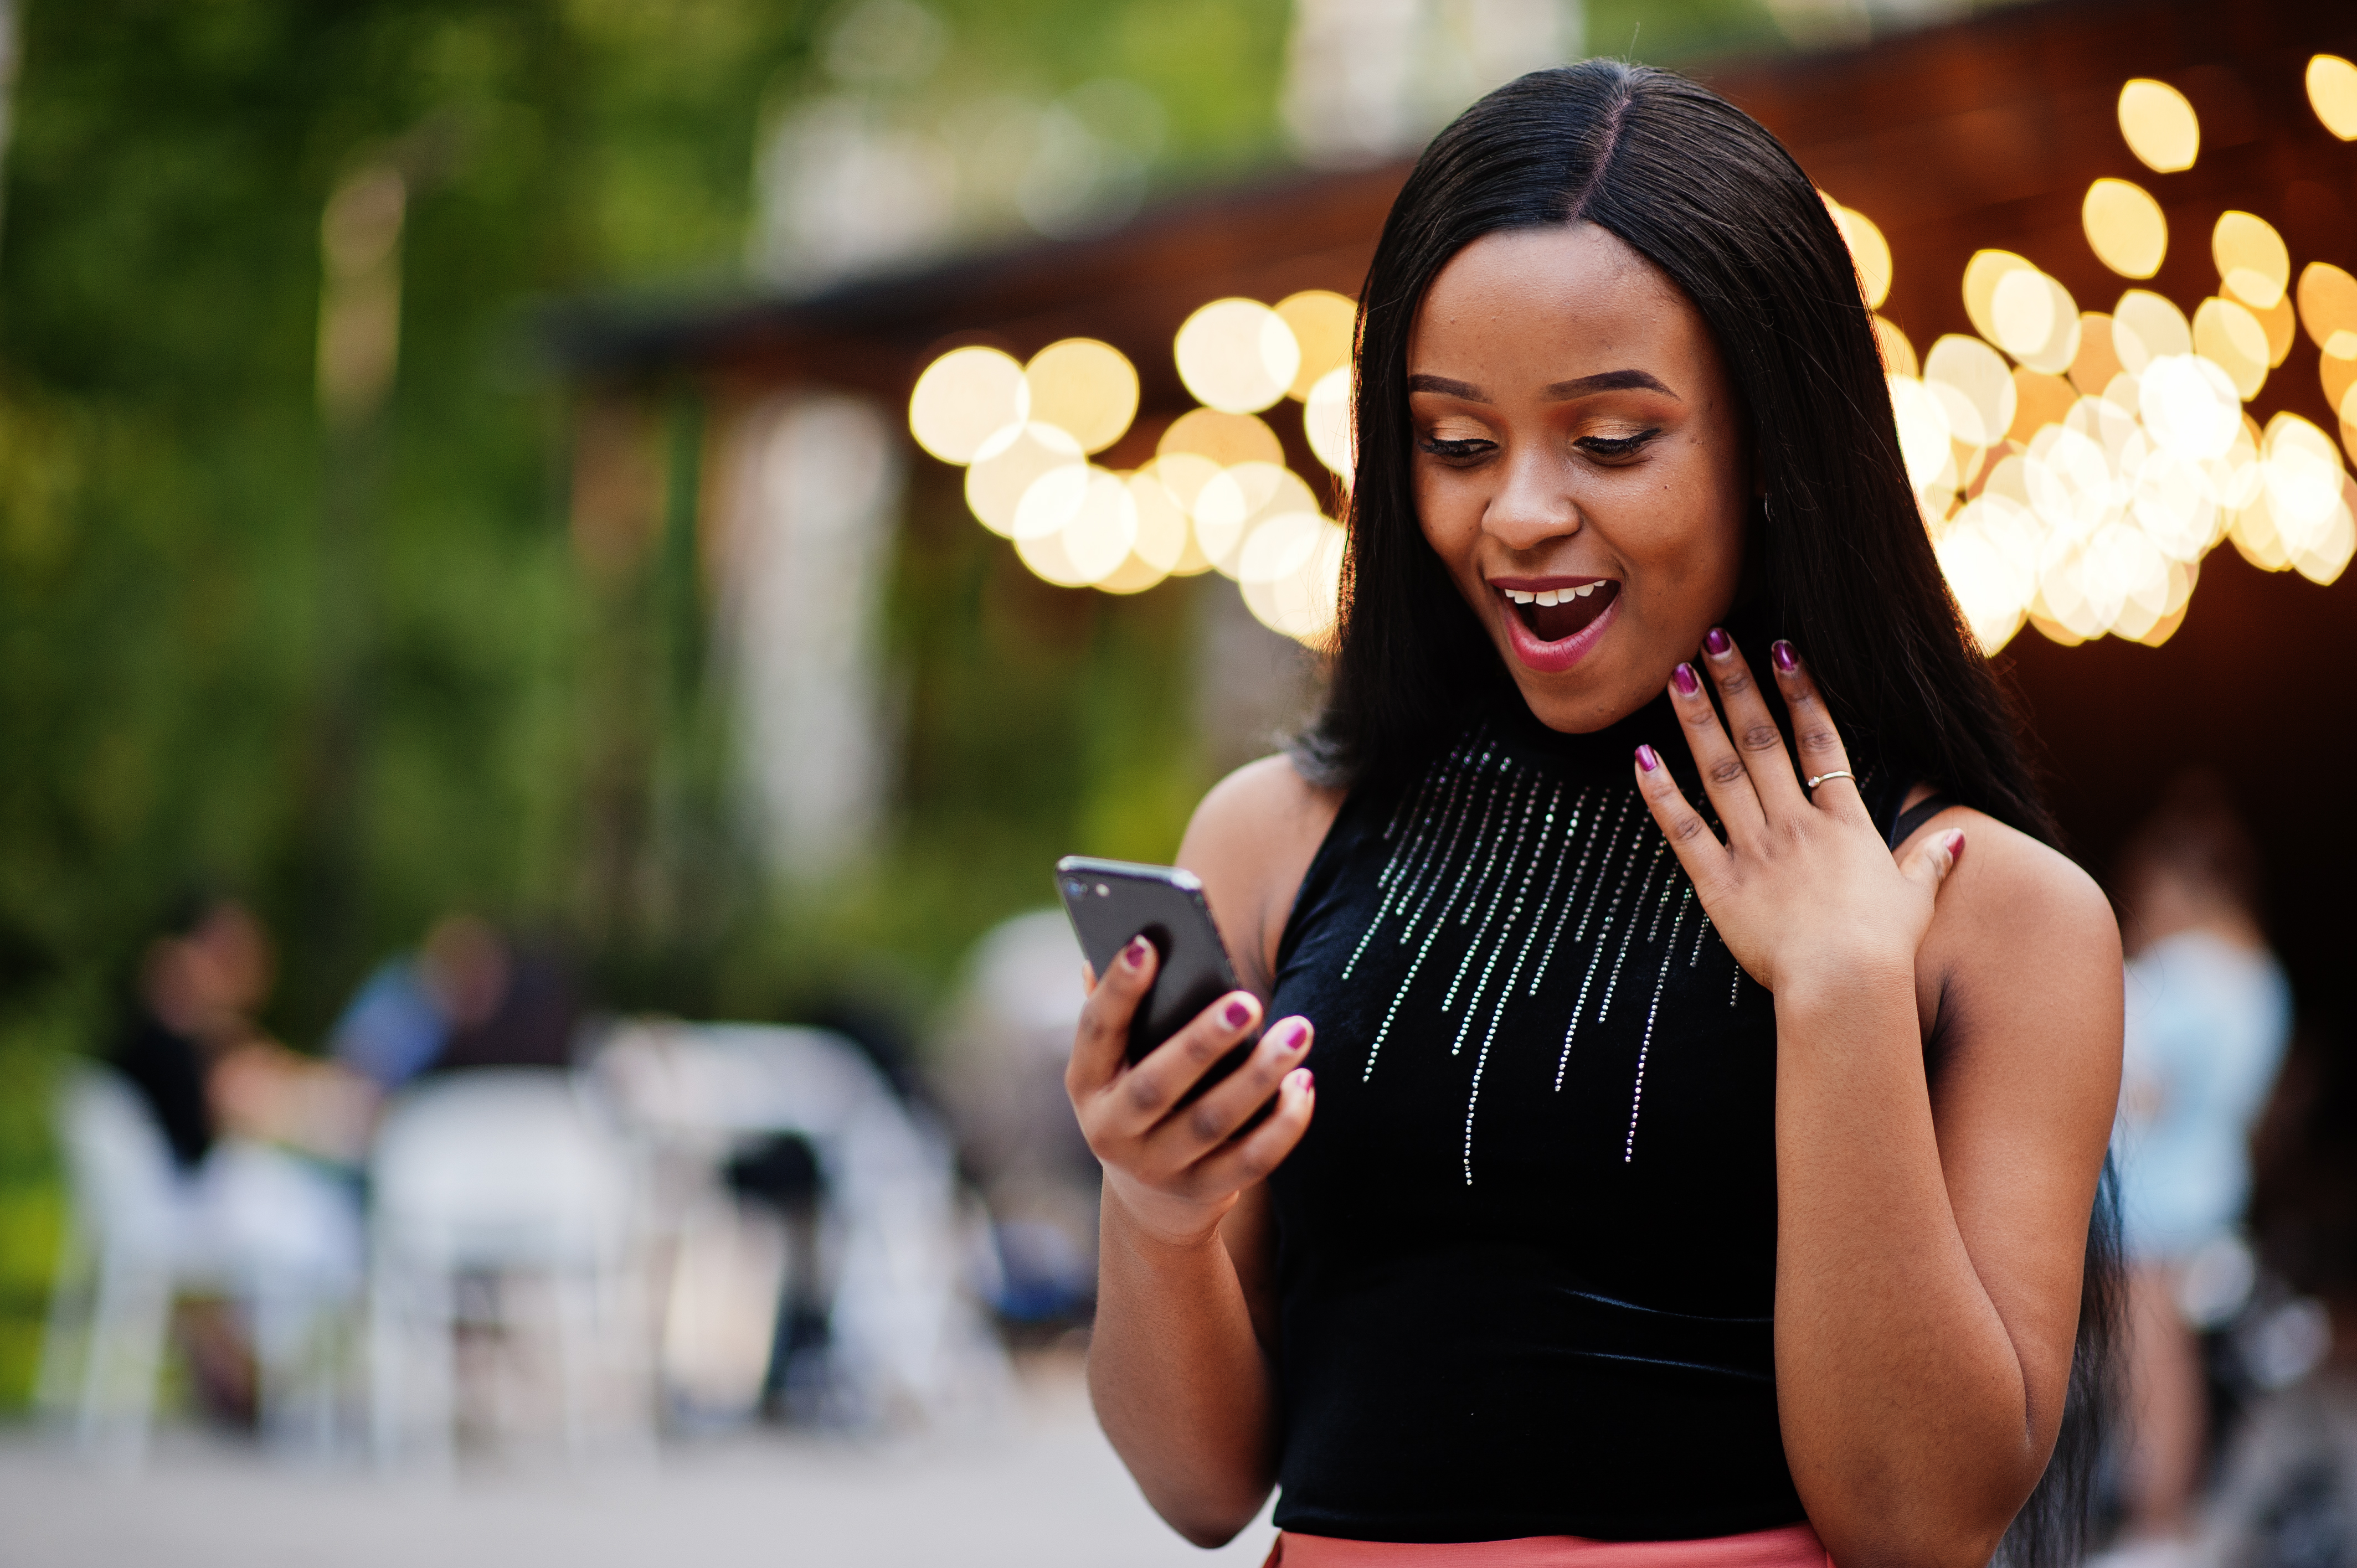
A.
pixel 1181 1095
pixel 1111 901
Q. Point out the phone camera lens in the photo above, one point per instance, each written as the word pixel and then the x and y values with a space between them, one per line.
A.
pixel 1075 886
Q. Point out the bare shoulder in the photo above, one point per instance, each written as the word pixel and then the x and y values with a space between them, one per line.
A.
pixel 2024 949
pixel 1251 841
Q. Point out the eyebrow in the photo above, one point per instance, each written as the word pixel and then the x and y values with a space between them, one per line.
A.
pixel 1561 392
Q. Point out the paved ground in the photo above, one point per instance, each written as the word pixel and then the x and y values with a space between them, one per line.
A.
pixel 1042 1491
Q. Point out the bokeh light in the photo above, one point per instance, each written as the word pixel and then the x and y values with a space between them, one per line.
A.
pixel 1290 571
pixel 2333 93
pixel 2125 227
pixel 1323 324
pixel 2159 125
pixel 1087 389
pixel 2253 263
pixel 2327 309
pixel 1221 438
pixel 2072 468
pixel 2022 310
pixel 2092 368
pixel 2075 468
pixel 2146 326
pixel 1974 388
pixel 1237 499
pixel 2228 335
pixel 998 485
pixel 964 399
pixel 1898 353
pixel 1326 420
pixel 1237 356
pixel 1869 251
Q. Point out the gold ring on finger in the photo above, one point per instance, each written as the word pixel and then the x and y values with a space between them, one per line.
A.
pixel 1815 780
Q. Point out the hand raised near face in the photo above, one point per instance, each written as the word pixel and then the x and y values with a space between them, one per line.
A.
pixel 1804 890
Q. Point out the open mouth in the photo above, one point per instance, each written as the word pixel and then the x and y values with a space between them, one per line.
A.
pixel 1554 614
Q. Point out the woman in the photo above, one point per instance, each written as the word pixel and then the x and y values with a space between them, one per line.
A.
pixel 1676 1139
pixel 2209 1019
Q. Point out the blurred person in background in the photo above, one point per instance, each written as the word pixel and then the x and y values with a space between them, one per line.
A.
pixel 206 1068
pixel 1000 1068
pixel 2208 1019
pixel 265 1139
pixel 469 996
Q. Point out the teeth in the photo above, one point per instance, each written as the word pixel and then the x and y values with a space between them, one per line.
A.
pixel 1550 595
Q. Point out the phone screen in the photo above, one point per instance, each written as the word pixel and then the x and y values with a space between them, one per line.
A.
pixel 1111 901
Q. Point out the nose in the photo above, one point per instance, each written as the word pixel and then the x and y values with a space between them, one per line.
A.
pixel 1531 504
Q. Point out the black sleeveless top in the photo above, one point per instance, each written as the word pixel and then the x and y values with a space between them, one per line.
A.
pixel 1526 1251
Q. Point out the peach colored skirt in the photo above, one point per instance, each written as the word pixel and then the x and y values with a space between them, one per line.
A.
pixel 1794 1546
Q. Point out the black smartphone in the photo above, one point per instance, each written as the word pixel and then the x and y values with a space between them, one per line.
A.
pixel 1111 901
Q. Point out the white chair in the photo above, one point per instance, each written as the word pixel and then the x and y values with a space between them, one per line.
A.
pixel 250 1222
pixel 907 1337
pixel 506 1172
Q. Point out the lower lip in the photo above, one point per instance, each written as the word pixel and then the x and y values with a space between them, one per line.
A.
pixel 1553 658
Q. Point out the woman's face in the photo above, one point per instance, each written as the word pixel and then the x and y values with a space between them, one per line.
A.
pixel 1577 440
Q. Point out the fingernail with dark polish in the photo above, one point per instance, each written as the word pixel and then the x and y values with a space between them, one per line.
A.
pixel 1786 660
pixel 1647 758
pixel 1301 1079
pixel 1134 954
pixel 1717 642
pixel 1292 1034
pixel 1956 845
pixel 1682 678
pixel 1238 1013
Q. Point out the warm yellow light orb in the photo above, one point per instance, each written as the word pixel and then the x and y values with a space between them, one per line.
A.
pixel 1235 501
pixel 1290 572
pixel 1983 275
pixel 2159 125
pixel 1898 354
pixel 2252 260
pixel 1870 252
pixel 1326 420
pixel 2226 333
pixel 1085 388
pixel 1974 389
pixel 2327 309
pixel 967 399
pixel 1323 324
pixel 1924 433
pixel 1237 355
pixel 2333 93
pixel 2146 326
pixel 996 486
pixel 1222 438
pixel 2125 227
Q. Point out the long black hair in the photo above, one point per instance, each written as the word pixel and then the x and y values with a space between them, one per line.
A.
pixel 1840 557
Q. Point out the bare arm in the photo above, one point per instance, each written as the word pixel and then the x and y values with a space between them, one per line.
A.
pixel 1929 1245
pixel 1180 1363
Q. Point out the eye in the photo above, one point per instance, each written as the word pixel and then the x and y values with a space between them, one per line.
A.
pixel 1459 451
pixel 1615 448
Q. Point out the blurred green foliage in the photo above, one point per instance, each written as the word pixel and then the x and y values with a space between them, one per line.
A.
pixel 179 645
pixel 167 613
